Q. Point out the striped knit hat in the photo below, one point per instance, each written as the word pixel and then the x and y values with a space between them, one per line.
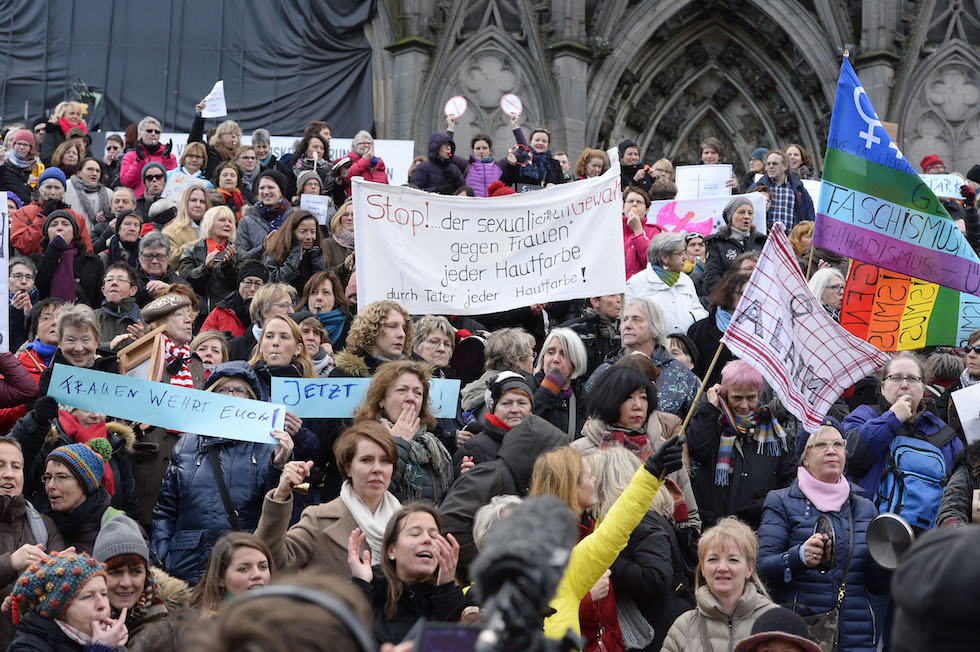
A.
pixel 83 460
pixel 49 586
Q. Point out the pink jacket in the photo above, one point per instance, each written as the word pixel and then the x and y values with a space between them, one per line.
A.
pixel 636 247
pixel 131 168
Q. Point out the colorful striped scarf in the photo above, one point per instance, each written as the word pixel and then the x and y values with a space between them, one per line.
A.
pixel 667 277
pixel 760 426
pixel 182 377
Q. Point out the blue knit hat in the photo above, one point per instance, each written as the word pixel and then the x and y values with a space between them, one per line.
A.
pixel 759 153
pixel 87 465
pixel 53 173
pixel 49 586
pixel 12 196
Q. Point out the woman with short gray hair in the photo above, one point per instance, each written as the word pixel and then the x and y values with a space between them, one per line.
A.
pixel 665 283
pixel 365 163
pixel 434 340
pixel 148 149
pixel 560 397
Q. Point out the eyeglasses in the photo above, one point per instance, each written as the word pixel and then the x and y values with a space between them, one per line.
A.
pixel 60 480
pixel 122 280
pixel 283 305
pixel 240 392
pixel 152 131
pixel 153 177
pixel 246 158
pixel 693 236
pixel 22 277
pixel 822 445
pixel 257 283
pixel 40 130
pixel 836 288
pixel 899 378
pixel 435 343
pixel 153 257
pixel 193 156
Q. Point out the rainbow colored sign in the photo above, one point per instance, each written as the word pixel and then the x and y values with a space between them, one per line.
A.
pixel 895 312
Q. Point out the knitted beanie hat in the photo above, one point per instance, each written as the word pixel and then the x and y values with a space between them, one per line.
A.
pixel 308 175
pixel 86 461
pixel 49 586
pixel 22 134
pixel 732 207
pixel 502 383
pixel 120 536
pixel 62 214
pixel 253 268
pixel 53 173
pixel 149 166
pixel 499 189
pixel 759 153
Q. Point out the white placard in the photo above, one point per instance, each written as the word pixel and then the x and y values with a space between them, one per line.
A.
pixel 397 154
pixel 946 186
pixel 456 255
pixel 456 106
pixel 177 182
pixel 512 105
pixel 967 402
pixel 319 206
pixel 214 103
pixel 699 181
pixel 702 216
pixel 4 261
pixel 812 187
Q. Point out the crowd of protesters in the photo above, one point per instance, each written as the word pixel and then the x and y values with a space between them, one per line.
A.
pixel 123 534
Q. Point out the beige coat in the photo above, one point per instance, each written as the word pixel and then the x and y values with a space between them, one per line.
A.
pixel 710 621
pixel 661 426
pixel 319 539
pixel 180 238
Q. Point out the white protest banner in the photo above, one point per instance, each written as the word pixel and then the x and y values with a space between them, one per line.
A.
pixel 458 255
pixel 702 216
pixel 338 398
pixel 699 181
pixel 214 103
pixel 319 205
pixel 177 182
pixel 967 401
pixel 166 406
pixel 783 331
pixel 946 186
pixel 4 314
pixel 397 154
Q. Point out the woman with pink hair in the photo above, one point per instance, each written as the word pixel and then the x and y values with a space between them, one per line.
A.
pixel 741 449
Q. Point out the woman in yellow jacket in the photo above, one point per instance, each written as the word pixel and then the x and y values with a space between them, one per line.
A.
pixel 596 552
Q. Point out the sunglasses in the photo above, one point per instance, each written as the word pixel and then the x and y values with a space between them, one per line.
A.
pixel 152 131
pixel 971 349
pixel 153 177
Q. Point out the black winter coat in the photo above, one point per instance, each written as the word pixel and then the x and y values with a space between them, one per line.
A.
pixel 753 475
pixel 37 634
pixel 482 447
pixel 706 336
pixel 15 179
pixel 88 274
pixel 170 277
pixel 649 570
pixel 557 410
pixel 211 284
pixel 443 176
pixel 956 504
pixel 443 603
pixel 509 473
pixel 597 347
pixel 721 249
pixel 53 136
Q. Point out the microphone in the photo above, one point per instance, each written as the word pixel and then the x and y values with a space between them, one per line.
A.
pixel 518 570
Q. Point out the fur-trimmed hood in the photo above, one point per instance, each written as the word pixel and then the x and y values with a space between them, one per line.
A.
pixel 352 365
pixel 175 592
pixel 119 435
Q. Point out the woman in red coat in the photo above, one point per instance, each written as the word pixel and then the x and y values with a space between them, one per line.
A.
pixel 364 162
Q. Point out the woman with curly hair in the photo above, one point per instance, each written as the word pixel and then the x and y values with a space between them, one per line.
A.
pixel 592 163
pixel 380 333
pixel 398 398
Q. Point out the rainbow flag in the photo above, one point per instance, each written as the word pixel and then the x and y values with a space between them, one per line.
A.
pixel 873 206
pixel 896 312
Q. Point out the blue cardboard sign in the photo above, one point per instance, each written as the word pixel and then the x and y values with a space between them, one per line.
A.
pixel 338 398
pixel 166 406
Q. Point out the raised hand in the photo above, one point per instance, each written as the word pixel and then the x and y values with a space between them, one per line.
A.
pixel 447 554
pixel 360 564
pixel 293 473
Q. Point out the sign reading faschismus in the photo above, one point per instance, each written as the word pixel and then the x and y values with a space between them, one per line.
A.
pixel 462 255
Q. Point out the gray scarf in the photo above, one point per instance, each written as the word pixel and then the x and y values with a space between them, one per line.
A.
pixel 637 632
pixel 93 199
pixel 425 449
pixel 741 236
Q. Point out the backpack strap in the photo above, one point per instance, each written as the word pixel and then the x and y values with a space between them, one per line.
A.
pixel 38 528
pixel 219 478
pixel 945 435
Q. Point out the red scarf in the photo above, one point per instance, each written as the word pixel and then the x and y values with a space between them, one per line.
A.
pixel 236 201
pixel 494 421
pixel 80 435
pixel 183 376
pixel 635 441
pixel 65 126
pixel 214 246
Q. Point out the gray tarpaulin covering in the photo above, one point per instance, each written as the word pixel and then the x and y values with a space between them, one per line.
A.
pixel 284 62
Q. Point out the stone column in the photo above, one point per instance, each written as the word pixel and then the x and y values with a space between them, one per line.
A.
pixel 570 58
pixel 877 60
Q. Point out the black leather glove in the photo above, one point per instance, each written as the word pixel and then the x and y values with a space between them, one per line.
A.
pixel 45 409
pixel 969 195
pixel 51 205
pixel 167 149
pixel 668 458
pixel 140 153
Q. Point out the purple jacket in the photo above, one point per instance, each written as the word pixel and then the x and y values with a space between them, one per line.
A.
pixel 480 174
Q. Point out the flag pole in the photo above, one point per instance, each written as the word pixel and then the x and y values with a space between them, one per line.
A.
pixel 704 382
pixel 809 263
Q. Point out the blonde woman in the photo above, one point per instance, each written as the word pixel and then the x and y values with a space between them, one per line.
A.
pixel 185 229
pixel 210 264
pixel 67 115
pixel 729 593
pixel 339 248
